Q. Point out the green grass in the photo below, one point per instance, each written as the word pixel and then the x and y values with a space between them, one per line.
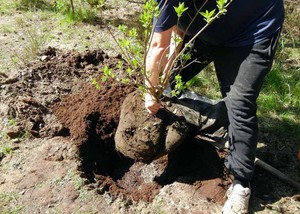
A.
pixel 7 203
pixel 279 103
pixel 8 7
pixel 6 149
pixel 33 37
pixel 83 12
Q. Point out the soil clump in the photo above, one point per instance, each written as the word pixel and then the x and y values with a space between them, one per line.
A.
pixel 143 137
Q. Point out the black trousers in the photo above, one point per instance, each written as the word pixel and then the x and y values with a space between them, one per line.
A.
pixel 240 72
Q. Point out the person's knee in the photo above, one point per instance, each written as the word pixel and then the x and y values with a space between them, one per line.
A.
pixel 241 103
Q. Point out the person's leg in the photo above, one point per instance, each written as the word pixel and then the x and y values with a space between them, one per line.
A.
pixel 241 72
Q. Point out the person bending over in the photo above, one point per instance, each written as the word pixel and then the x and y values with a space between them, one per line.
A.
pixel 241 44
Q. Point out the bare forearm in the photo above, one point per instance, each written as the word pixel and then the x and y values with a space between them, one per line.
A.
pixel 162 53
pixel 175 47
pixel 155 63
pixel 157 56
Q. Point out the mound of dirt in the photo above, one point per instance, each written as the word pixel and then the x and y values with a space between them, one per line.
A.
pixel 29 94
pixel 92 110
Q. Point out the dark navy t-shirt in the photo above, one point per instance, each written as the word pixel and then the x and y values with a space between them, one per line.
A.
pixel 245 22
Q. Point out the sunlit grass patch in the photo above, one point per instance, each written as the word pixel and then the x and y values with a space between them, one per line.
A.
pixel 279 103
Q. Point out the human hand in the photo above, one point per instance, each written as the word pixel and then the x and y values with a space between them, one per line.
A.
pixel 152 106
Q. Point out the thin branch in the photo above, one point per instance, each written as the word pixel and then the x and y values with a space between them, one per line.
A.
pixel 72 6
pixel 121 48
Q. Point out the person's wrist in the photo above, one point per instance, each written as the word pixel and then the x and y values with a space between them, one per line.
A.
pixel 150 87
pixel 149 97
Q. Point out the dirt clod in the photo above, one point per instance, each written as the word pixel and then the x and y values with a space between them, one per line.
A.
pixel 143 137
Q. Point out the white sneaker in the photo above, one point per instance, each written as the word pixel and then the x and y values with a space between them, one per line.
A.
pixel 237 200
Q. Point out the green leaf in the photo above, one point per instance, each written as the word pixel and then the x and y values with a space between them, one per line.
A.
pixel 119 65
pixel 180 9
pixel 150 10
pixel 208 15
pixel 122 28
pixel 129 71
pixel 95 83
pixel 177 39
pixel 179 86
pixel 221 4
pixel 125 80
pixel 133 33
pixel 186 56
pixel 107 73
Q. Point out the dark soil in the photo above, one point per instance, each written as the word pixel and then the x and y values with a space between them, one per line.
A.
pixel 54 97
